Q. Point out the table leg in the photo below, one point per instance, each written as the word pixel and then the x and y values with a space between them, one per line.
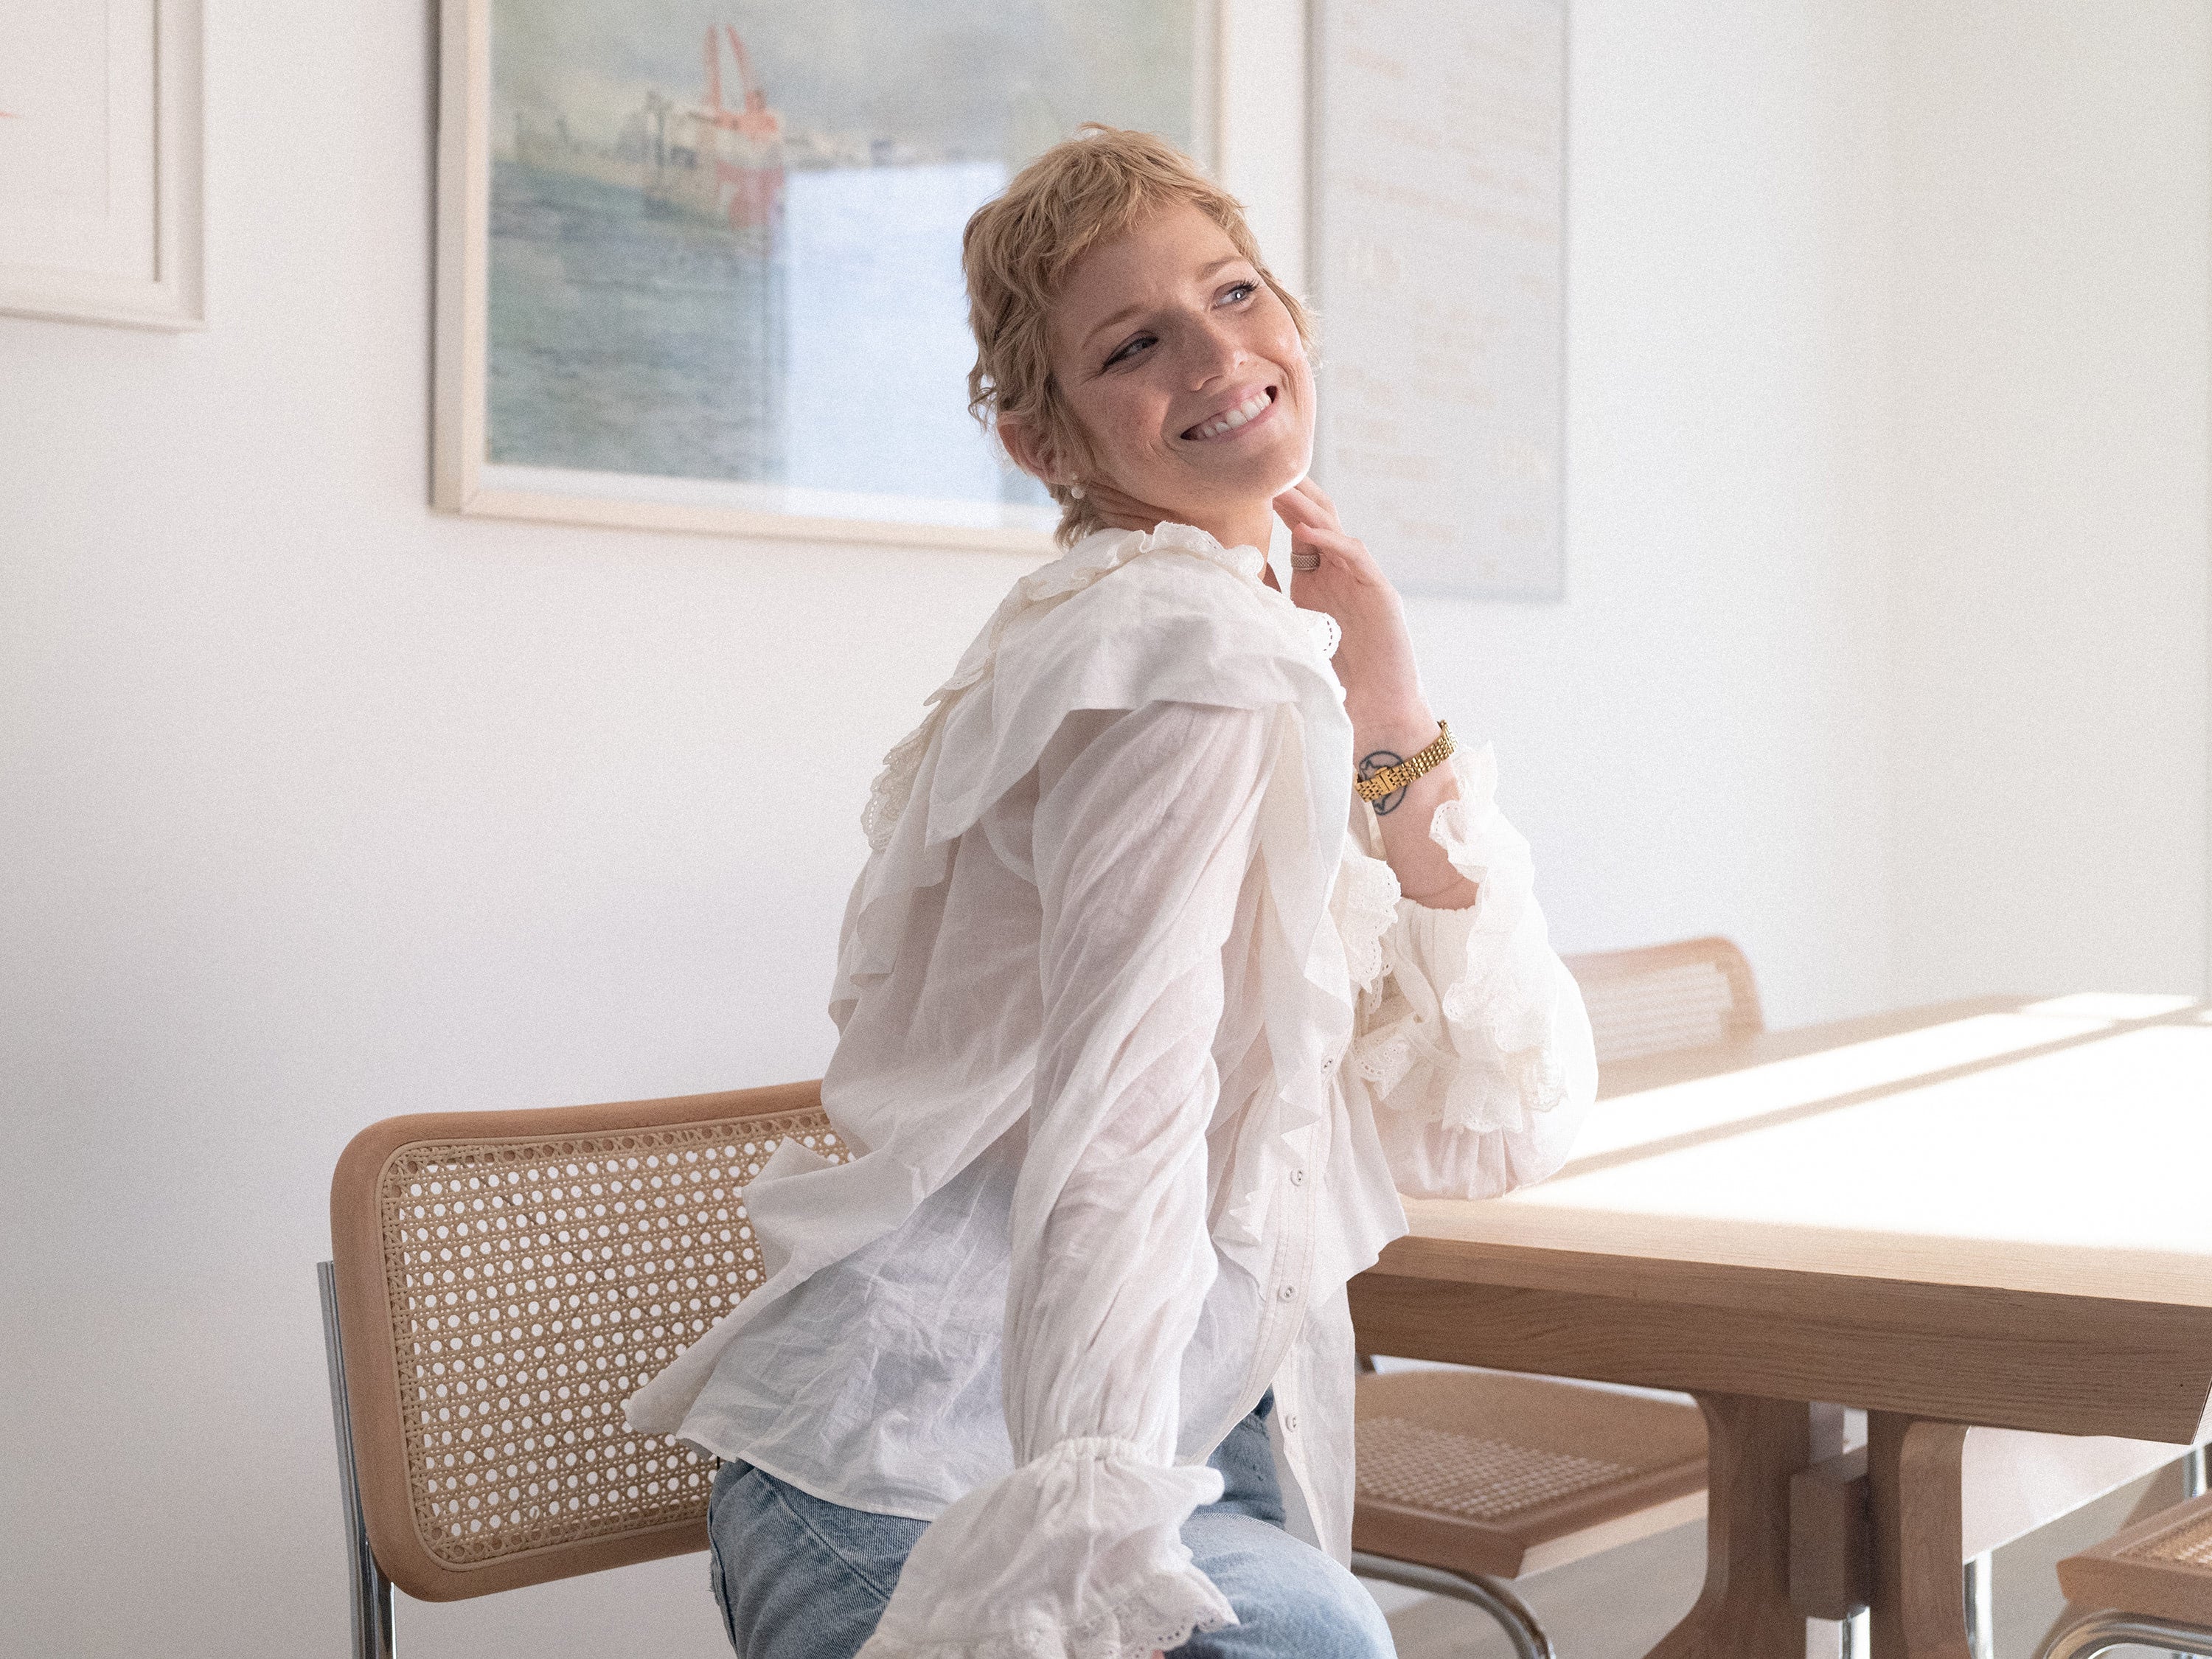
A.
pixel 1753 1447
pixel 1913 1492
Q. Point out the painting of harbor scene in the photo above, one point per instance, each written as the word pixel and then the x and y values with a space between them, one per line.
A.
pixel 722 242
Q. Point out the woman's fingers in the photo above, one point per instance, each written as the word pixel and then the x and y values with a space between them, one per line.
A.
pixel 1345 552
pixel 1321 499
pixel 1304 500
pixel 1295 509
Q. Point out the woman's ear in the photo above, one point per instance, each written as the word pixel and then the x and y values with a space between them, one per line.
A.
pixel 1027 451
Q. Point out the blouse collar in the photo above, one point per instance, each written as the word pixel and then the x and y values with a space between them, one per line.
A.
pixel 1247 561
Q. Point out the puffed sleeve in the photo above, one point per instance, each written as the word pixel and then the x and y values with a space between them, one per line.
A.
pixel 1143 833
pixel 1470 1037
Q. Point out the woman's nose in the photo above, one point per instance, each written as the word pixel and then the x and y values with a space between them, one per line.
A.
pixel 1215 353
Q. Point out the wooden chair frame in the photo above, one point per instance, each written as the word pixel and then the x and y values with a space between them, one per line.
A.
pixel 646 1184
pixel 2139 1595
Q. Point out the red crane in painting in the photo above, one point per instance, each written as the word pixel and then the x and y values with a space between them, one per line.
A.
pixel 756 173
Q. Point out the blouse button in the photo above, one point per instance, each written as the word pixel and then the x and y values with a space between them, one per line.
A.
pixel 1288 1293
pixel 1290 1422
pixel 1297 1177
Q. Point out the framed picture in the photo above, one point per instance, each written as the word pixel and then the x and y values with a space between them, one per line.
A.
pixel 1439 220
pixel 99 161
pixel 699 260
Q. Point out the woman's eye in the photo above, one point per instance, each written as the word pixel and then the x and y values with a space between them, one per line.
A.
pixel 1128 349
pixel 1240 291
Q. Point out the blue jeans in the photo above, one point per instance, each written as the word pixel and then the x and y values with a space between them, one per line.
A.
pixel 799 1578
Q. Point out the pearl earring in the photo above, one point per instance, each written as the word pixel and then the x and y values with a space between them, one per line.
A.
pixel 1076 490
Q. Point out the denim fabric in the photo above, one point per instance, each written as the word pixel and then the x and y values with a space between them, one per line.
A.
pixel 800 1578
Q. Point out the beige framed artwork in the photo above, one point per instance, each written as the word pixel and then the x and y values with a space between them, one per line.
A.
pixel 99 161
pixel 1440 221
pixel 698 264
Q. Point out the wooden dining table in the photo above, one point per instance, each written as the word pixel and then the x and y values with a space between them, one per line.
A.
pixel 1984 1217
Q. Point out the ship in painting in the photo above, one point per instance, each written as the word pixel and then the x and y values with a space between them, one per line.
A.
pixel 704 161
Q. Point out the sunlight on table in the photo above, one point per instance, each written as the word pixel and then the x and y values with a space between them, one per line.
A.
pixel 2082 1168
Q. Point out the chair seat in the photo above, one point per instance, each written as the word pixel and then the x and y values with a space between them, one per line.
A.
pixel 2160 1568
pixel 1491 1473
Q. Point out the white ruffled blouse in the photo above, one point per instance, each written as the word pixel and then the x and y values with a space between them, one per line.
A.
pixel 1139 1045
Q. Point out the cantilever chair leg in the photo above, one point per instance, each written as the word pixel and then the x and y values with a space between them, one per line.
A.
pixel 1491 1595
pixel 2100 1633
pixel 2192 1485
pixel 372 1590
pixel 1980 1579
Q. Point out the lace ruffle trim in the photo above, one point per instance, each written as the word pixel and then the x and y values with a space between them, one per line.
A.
pixel 1160 1616
pixel 1505 1067
pixel 1079 568
pixel 1160 1612
pixel 1498 1098
pixel 1327 633
pixel 1366 905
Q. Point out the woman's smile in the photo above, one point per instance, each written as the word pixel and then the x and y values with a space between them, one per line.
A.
pixel 1186 377
pixel 1244 409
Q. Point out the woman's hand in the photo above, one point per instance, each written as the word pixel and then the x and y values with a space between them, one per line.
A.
pixel 1390 718
pixel 1374 660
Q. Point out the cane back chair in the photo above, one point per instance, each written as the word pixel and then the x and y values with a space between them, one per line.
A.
pixel 2149 1586
pixel 1470 1478
pixel 501 1282
pixel 1665 997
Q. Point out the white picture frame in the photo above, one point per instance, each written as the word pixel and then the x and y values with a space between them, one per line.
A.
pixel 100 163
pixel 466 482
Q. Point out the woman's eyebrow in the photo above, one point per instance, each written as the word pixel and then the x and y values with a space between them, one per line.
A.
pixel 1127 312
pixel 1117 319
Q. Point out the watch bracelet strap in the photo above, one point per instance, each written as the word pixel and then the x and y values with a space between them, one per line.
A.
pixel 1391 778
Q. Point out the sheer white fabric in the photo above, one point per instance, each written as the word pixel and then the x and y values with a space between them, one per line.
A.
pixel 1138 1043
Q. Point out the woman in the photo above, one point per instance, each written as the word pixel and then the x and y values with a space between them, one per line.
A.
pixel 1147 1016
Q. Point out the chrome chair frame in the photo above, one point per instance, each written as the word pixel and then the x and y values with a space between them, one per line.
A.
pixel 2100 1633
pixel 1493 1595
pixel 372 1590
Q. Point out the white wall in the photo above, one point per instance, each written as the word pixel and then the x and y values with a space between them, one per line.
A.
pixel 1689 741
pixel 2049 496
pixel 319 807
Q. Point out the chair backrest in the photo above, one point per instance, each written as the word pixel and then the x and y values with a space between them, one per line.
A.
pixel 1663 997
pixel 2159 1568
pixel 505 1281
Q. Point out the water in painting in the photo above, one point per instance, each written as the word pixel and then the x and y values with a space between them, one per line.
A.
pixel 724 238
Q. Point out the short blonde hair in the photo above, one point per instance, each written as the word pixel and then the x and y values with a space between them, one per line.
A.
pixel 1019 248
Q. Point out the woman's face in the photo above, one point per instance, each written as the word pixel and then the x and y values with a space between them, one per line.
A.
pixel 1184 371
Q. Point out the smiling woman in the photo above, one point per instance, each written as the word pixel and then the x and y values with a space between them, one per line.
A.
pixel 1194 402
pixel 1147 1010
pixel 1164 330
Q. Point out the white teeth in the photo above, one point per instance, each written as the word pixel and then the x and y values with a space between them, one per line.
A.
pixel 1236 417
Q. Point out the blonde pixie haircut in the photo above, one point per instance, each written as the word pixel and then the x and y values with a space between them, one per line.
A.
pixel 1019 248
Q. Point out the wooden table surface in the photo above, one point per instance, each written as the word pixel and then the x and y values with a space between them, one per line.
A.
pixel 1984 1213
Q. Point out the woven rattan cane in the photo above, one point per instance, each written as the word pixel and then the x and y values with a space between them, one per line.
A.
pixel 1666 997
pixel 1479 1472
pixel 505 1281
pixel 2160 1568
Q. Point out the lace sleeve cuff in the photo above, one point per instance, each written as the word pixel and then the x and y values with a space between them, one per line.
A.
pixel 1077 1555
pixel 1479 1031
